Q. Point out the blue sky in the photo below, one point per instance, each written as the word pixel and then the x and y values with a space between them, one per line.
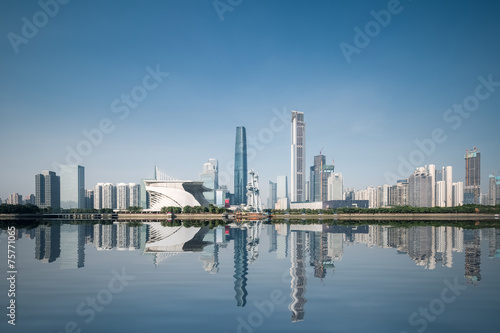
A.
pixel 264 56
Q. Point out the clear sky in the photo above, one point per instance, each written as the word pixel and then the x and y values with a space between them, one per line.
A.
pixel 67 74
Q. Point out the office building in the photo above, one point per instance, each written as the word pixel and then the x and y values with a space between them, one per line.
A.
pixel 472 188
pixel 315 182
pixel 210 178
pixel 298 162
pixel 89 199
pixel 47 190
pixel 72 186
pixel 29 199
pixel 282 187
pixel 335 184
pixel 240 166
pixel 273 196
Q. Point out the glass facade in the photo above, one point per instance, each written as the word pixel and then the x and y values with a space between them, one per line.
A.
pixel 72 186
pixel 240 166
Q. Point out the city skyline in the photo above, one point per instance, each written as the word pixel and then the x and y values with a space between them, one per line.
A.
pixel 368 114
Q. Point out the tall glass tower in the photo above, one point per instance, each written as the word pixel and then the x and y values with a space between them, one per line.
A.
pixel 72 186
pixel 240 166
pixel 298 174
pixel 472 190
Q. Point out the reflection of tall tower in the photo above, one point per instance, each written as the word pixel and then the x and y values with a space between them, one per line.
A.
pixel 298 273
pixel 72 246
pixel 273 238
pixel 48 242
pixel 472 256
pixel 240 265
pixel 210 254
pixel 283 230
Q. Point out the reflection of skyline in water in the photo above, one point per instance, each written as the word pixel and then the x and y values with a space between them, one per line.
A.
pixel 316 246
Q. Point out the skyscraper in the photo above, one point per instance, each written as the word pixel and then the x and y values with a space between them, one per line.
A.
pixel 47 190
pixel 210 178
pixel 315 183
pixel 89 199
pixel 335 186
pixel 420 188
pixel 472 189
pixel 135 195
pixel 240 166
pixel 298 163
pixel 273 198
pixel 98 196
pixel 448 178
pixel 109 196
pixel 72 186
pixel 122 196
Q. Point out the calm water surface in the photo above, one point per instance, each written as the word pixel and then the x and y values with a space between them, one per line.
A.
pixel 253 278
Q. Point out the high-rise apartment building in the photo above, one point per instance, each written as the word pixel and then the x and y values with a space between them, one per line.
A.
pixel 472 189
pixel 240 166
pixel 420 184
pixel 47 190
pixel 494 190
pixel 109 196
pixel 458 194
pixel 98 196
pixel 135 195
pixel 72 186
pixel 298 163
pixel 122 196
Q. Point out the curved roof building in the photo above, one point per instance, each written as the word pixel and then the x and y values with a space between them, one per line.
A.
pixel 177 193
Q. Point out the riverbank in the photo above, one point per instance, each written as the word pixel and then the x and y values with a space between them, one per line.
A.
pixel 225 216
